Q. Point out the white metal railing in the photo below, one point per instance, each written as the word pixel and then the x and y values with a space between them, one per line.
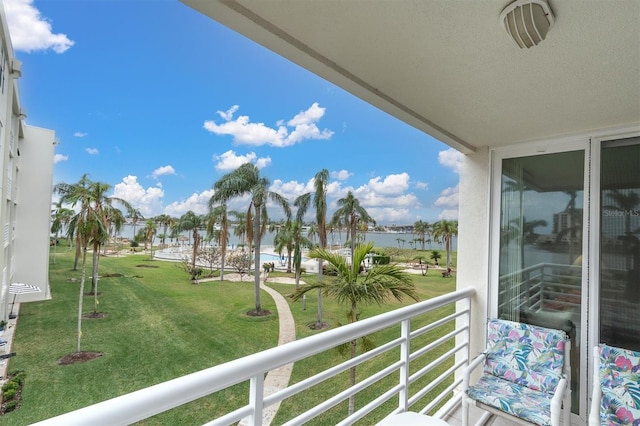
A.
pixel 451 337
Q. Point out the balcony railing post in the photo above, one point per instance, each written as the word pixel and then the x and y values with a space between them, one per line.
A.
pixel 256 399
pixel 405 350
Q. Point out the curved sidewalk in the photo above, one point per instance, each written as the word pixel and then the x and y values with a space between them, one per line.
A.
pixel 279 378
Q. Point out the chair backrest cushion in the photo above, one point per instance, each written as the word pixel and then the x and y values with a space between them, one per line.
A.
pixel 620 385
pixel 525 354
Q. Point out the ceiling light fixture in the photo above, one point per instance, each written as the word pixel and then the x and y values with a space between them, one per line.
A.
pixel 527 21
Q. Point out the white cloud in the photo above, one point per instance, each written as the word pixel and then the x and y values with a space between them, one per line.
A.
pixel 229 161
pixel 448 214
pixel 448 200
pixel 164 170
pixel 30 31
pixel 292 189
pixel 422 185
pixel 80 134
pixel 92 151
pixel 59 158
pixel 392 184
pixel 452 159
pixel 390 215
pixel 148 201
pixel 197 203
pixel 341 174
pixel 245 132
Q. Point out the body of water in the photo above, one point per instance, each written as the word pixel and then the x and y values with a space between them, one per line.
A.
pixel 380 239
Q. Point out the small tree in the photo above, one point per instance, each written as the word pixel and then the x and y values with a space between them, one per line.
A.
pixel 212 256
pixel 435 256
pixel 240 262
pixel 378 285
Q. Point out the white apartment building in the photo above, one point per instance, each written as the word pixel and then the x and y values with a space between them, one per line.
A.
pixel 26 160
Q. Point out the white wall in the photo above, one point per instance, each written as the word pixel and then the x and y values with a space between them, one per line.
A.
pixel 473 240
pixel 33 211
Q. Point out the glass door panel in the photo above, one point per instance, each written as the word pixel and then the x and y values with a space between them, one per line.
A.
pixel 620 243
pixel 540 262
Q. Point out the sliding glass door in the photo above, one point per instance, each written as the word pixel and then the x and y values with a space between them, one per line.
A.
pixel 540 278
pixel 619 257
pixel 566 245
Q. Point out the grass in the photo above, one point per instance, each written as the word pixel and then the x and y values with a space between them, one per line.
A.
pixel 161 326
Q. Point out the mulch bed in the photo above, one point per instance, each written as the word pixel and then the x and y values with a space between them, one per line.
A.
pixel 262 313
pixel 77 357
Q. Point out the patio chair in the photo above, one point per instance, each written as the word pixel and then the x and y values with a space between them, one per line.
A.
pixel 526 375
pixel 616 386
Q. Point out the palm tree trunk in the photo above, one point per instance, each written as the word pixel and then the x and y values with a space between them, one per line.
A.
pixel 78 252
pixel 352 370
pixel 82 279
pixel 319 322
pixel 94 270
pixel 256 266
pixel 224 255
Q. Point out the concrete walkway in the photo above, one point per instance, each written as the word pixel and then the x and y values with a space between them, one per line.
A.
pixel 279 378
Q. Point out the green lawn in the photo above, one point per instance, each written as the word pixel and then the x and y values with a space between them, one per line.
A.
pixel 160 326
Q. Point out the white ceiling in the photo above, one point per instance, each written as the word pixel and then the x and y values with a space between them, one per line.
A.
pixel 448 67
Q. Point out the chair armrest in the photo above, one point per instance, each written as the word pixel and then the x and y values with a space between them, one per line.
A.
pixel 466 373
pixel 596 395
pixel 558 396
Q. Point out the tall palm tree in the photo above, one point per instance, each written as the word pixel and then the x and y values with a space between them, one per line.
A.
pixel 423 231
pixel 445 230
pixel 320 182
pixel 115 222
pixel 246 180
pixel 76 195
pixel 220 216
pixel 191 222
pixel 284 240
pixel 240 228
pixel 165 221
pixel 135 216
pixel 150 230
pixel 59 222
pixel 300 241
pixel 378 285
pixel 350 210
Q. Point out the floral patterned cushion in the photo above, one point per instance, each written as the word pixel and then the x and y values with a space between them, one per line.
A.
pixel 620 385
pixel 532 406
pixel 525 354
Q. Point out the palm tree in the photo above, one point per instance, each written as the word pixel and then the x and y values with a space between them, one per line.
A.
pixel 246 180
pixel 135 216
pixel 284 240
pixel 422 230
pixel 60 221
pixel 149 234
pixel 165 221
pixel 220 215
pixel 320 182
pixel 240 229
pixel 444 230
pixel 115 222
pixel 378 285
pixel 300 241
pixel 191 222
pixel 352 212
pixel 75 194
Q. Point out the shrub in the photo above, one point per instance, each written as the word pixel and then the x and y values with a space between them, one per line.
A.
pixel 134 244
pixel 381 260
pixel 9 394
pixel 11 385
pixel 10 406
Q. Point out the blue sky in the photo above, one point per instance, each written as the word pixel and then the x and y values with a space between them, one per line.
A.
pixel 160 101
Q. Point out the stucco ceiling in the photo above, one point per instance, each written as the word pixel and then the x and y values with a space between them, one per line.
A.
pixel 448 67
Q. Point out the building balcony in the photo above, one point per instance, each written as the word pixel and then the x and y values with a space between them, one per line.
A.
pixel 419 353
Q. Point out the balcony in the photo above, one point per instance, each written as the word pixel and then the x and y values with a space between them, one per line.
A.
pixel 425 348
